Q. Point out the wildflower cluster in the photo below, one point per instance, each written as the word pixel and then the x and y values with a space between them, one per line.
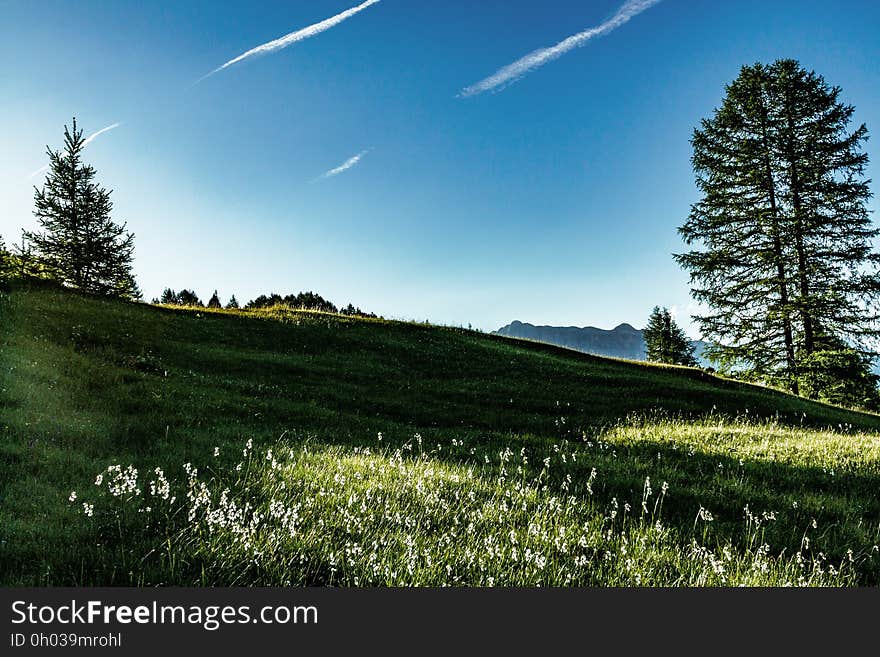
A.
pixel 397 515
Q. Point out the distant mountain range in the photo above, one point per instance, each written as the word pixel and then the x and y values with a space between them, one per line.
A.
pixel 622 341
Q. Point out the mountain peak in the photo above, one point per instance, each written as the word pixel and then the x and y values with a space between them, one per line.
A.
pixel 626 327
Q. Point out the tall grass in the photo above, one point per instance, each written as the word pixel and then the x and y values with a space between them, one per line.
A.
pixel 303 514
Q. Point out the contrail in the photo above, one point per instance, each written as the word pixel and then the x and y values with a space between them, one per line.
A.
pixel 88 140
pixel 91 138
pixel 293 37
pixel 43 168
pixel 512 72
pixel 345 166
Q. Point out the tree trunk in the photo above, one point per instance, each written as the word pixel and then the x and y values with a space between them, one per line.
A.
pixel 779 256
pixel 803 275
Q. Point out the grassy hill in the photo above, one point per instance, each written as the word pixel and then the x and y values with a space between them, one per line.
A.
pixel 308 448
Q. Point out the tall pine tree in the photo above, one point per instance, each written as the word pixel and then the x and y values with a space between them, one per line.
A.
pixel 80 246
pixel 786 267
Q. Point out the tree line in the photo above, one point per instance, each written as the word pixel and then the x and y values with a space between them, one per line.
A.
pixel 301 301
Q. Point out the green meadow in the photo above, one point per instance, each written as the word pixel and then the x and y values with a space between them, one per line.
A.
pixel 144 445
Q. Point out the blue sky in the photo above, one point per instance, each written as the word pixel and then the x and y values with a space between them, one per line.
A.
pixel 554 200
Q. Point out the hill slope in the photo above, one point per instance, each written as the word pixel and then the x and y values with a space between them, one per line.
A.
pixel 88 383
pixel 623 341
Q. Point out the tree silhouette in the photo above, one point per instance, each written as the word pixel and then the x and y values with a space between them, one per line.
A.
pixel 169 296
pixel 214 301
pixel 188 298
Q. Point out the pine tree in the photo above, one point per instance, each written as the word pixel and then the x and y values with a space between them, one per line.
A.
pixel 264 301
pixel 665 341
pixel 188 298
pixel 838 374
pixel 786 261
pixel 169 297
pixel 80 246
pixel 233 303
pixel 24 263
pixel 126 287
pixel 214 301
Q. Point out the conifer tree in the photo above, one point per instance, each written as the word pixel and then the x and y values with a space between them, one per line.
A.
pixel 665 341
pixel 80 246
pixel 24 263
pixel 214 301
pixel 188 298
pixel 786 264
pixel 169 297
pixel 839 374
pixel 233 303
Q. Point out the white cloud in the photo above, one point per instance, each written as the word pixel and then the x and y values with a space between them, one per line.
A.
pixel 512 72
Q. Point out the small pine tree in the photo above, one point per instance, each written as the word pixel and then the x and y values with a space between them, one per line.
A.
pixel 80 246
pixel 665 341
pixel 24 264
pixel 188 298
pixel 840 375
pixel 233 303
pixel 214 301
pixel 126 287
pixel 169 297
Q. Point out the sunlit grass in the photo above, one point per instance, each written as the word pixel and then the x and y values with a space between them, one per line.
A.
pixel 296 514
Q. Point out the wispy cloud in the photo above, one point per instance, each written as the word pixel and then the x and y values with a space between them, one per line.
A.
pixel 293 37
pixel 88 140
pixel 512 72
pixel 345 166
